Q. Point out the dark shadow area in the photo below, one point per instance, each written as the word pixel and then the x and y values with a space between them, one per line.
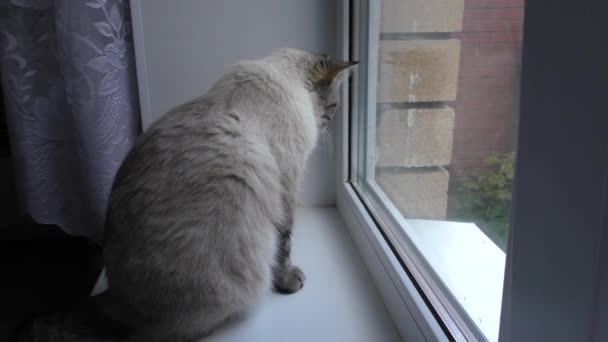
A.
pixel 42 268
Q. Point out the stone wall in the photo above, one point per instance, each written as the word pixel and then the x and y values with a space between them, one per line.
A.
pixel 417 83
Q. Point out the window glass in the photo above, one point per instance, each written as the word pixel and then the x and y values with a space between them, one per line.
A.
pixel 436 126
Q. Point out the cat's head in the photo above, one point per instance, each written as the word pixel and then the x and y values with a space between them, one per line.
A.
pixel 322 76
pixel 325 76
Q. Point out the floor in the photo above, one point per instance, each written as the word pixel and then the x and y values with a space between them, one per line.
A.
pixel 41 268
pixel 339 301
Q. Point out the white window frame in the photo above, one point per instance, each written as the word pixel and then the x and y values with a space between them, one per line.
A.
pixel 528 270
pixel 402 299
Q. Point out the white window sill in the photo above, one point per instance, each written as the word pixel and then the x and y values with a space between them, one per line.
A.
pixel 468 263
pixel 338 302
pixel 464 260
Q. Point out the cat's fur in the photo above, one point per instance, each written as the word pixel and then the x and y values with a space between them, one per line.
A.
pixel 201 213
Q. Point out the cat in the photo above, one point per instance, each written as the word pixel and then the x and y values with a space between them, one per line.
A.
pixel 201 213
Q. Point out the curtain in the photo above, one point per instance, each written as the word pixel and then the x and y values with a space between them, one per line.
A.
pixel 69 84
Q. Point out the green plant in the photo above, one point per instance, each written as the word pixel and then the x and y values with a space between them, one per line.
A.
pixel 486 198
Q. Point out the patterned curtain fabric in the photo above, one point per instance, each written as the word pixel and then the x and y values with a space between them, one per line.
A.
pixel 68 76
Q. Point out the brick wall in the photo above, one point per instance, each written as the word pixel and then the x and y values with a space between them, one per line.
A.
pixel 487 102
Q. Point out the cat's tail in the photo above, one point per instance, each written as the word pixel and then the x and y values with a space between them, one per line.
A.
pixel 85 322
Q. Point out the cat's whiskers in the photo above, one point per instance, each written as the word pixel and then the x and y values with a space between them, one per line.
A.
pixel 326 140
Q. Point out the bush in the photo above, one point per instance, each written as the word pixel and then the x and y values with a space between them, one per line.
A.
pixel 486 198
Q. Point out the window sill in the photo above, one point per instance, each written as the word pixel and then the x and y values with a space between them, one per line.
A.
pixel 465 261
pixel 338 302
pixel 469 264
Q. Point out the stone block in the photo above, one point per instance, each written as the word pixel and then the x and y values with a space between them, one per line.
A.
pixel 422 15
pixel 418 193
pixel 415 137
pixel 418 70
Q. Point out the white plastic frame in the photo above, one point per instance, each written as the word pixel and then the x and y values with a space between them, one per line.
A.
pixel 412 317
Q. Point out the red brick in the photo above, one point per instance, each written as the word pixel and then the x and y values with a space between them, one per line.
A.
pixel 506 37
pixel 476 158
pixel 499 95
pixel 490 45
pixel 484 71
pixel 490 48
pixel 490 26
pixel 478 14
pixel 518 3
pixel 482 139
pixel 498 47
pixel 488 105
pixel 469 49
pixel 456 35
pixel 496 119
pixel 474 3
pixel 509 14
pixel 493 119
pixel 489 86
pixel 477 37
pixel 474 99
pixel 477 100
pixel 501 3
pixel 494 54
pixel 492 133
pixel 490 14
pixel 493 3
pixel 506 58
pixel 518 36
pixel 489 81
pixel 473 160
pixel 517 26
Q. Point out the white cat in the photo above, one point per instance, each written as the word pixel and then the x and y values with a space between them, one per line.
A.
pixel 201 213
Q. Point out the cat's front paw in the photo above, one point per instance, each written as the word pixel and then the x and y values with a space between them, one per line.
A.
pixel 290 281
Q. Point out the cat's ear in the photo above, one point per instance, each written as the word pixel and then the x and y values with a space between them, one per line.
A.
pixel 339 68
pixel 327 70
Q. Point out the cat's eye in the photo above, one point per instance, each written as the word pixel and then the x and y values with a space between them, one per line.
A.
pixel 331 106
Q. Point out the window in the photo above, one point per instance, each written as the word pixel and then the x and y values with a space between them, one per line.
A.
pixel 436 101
pixel 435 114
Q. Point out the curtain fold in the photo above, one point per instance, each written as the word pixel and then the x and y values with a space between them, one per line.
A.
pixel 69 83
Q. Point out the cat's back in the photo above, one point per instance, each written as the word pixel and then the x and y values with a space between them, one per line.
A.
pixel 193 158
